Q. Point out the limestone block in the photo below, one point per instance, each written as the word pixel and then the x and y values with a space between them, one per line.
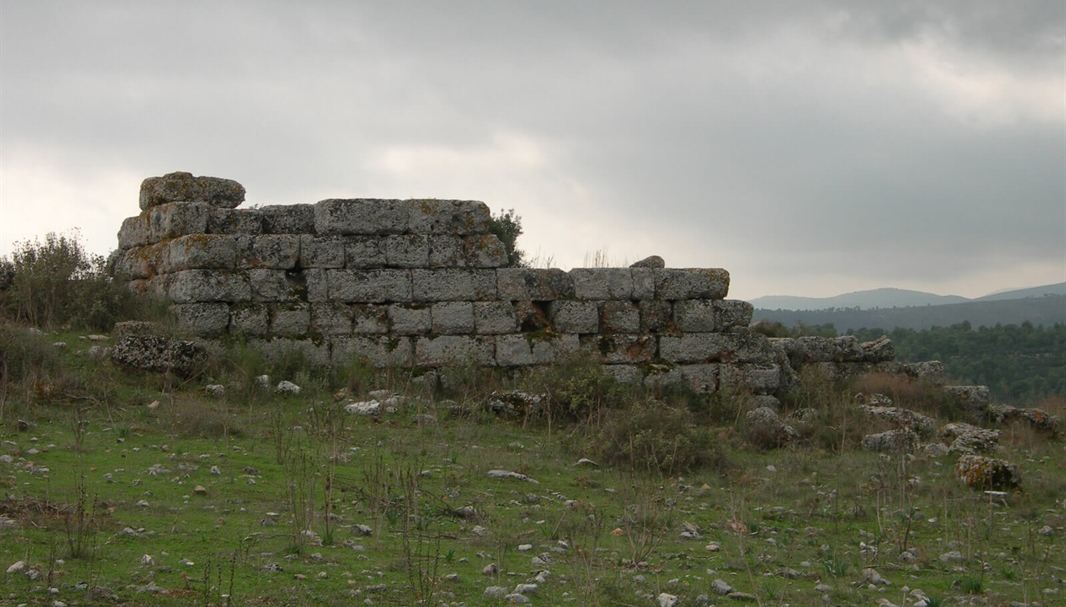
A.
pixel 134 232
pixel 755 378
pixel 731 313
pixel 516 350
pixel 619 317
pixel 484 251
pixel 316 284
pixel 652 261
pixel 192 286
pixel 628 375
pixel 335 319
pixel 590 284
pixel 362 319
pixel 407 251
pixel 204 319
pixel 691 283
pixel 644 282
pixel 570 316
pixel 814 349
pixel 141 262
pixel 452 317
pixel 183 187
pixel 410 319
pixel 454 350
pixel 250 319
pixel 460 217
pixel 531 316
pixel 369 286
pixel 361 216
pixel 288 219
pixel 290 320
pixel 201 251
pixel 321 251
pixel 446 251
pixel 656 316
pixel 279 349
pixel 494 317
pixel 361 252
pixel 659 377
pixel 695 315
pixel 987 473
pixel 277 251
pixel 272 285
pixel 621 349
pixel 739 347
pixel 702 379
pixel 176 219
pixel 378 352
pixel 454 285
pixel 534 284
pixel 234 221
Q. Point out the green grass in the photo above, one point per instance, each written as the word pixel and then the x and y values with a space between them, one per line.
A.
pixel 608 535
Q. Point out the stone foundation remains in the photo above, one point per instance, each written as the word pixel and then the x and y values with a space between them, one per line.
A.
pixel 423 283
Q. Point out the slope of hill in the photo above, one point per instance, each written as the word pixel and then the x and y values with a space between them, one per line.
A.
pixel 1055 289
pixel 1046 310
pixel 876 298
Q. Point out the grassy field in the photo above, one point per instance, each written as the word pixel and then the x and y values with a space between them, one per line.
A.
pixel 121 487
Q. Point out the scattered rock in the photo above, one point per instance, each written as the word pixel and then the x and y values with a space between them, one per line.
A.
pixel 495 591
pixel 514 403
pixel 667 600
pixel 160 354
pixel 509 474
pixel 721 587
pixel 871 576
pixel 765 429
pixel 980 472
pixel 287 387
pixel 368 407
pixel 17 567
pixel 892 441
pixel 966 438
pixel 903 419
pixel 215 390
pixel 653 261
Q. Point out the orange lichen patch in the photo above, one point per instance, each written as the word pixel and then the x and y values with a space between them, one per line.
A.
pixel 981 473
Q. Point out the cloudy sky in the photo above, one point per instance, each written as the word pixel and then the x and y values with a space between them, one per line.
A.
pixel 810 148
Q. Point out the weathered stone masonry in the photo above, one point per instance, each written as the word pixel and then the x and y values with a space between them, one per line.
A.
pixel 424 283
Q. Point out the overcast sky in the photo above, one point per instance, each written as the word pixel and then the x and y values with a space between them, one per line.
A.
pixel 810 148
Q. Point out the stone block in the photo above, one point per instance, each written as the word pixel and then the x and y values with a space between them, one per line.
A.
pixel 410 319
pixel 272 285
pixel 290 320
pixel 514 350
pixel 532 316
pixel 570 316
pixel 369 286
pixel 407 251
pixel 193 286
pixel 619 317
pixel 661 377
pixel 484 251
pixel 691 283
pixel 621 349
pixel 739 347
pixel 378 352
pixel 446 251
pixel 494 317
pixel 754 378
pixel 234 221
pixel 276 251
pixel 183 187
pixel 369 319
pixel 695 316
pixel 656 316
pixel 730 313
pixel 203 319
pixel 141 262
pixel 176 219
pixel 321 251
pixel 644 281
pixel 627 375
pixel 452 317
pixel 454 350
pixel 517 350
pixel 702 379
pixel 364 252
pixel 335 319
pixel 590 284
pixel 534 284
pixel 460 217
pixel 251 320
pixel 134 232
pixel 361 216
pixel 288 219
pixel 454 285
pixel 279 349
pixel 201 251
pixel 315 284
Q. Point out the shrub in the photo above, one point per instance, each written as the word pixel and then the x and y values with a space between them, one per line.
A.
pixel 56 283
pixel 507 226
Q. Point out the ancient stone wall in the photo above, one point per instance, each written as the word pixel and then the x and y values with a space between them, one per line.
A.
pixel 423 283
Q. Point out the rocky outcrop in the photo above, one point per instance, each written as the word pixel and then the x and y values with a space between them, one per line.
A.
pixel 986 473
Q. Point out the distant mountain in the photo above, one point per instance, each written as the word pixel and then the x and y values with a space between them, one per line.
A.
pixel 894 298
pixel 1045 310
pixel 866 300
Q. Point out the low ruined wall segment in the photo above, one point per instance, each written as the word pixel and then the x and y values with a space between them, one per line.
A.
pixel 424 283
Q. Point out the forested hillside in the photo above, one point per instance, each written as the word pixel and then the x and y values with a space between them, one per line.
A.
pixel 1019 363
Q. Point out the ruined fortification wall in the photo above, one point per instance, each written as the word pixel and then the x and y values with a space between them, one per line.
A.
pixel 424 283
